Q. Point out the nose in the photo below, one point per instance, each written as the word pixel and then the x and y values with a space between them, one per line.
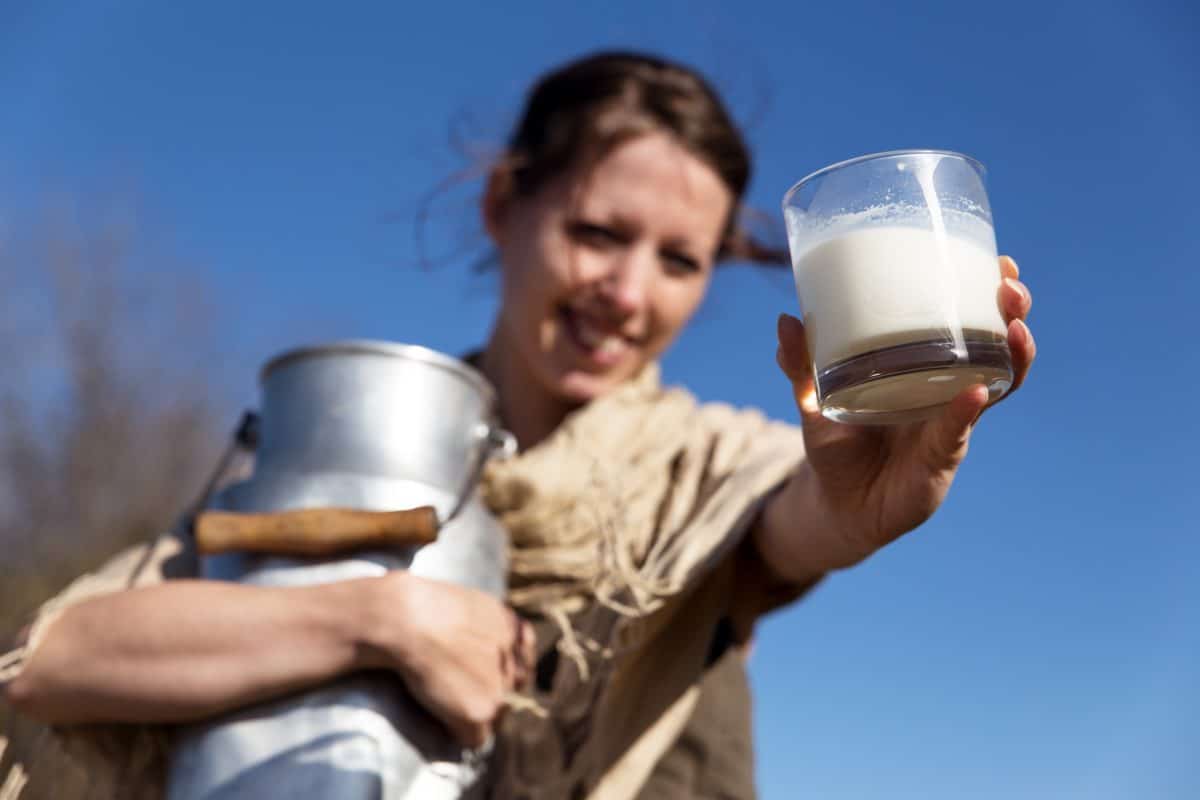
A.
pixel 626 284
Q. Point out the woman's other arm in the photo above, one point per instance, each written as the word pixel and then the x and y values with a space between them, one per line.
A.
pixel 185 650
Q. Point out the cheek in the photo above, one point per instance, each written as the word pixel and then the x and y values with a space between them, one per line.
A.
pixel 678 304
pixel 564 267
pixel 545 266
pixel 527 276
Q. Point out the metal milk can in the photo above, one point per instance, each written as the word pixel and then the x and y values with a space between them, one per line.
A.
pixel 372 427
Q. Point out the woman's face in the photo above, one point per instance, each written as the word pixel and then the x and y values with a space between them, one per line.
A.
pixel 603 267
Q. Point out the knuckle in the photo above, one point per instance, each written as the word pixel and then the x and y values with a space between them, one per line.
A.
pixel 482 711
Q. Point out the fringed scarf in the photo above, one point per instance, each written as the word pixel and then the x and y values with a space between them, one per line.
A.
pixel 621 523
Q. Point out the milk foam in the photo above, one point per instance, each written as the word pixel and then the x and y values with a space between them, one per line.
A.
pixel 875 287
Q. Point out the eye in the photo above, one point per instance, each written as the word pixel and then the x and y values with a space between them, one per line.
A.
pixel 681 263
pixel 594 234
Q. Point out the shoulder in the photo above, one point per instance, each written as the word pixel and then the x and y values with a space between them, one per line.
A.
pixel 743 431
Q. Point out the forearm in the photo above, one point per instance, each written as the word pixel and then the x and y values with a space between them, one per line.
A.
pixel 798 536
pixel 188 649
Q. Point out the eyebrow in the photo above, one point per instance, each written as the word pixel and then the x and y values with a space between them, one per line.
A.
pixel 617 220
pixel 624 222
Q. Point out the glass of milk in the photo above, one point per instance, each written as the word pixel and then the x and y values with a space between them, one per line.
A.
pixel 896 269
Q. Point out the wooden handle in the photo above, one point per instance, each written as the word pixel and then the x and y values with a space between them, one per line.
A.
pixel 314 531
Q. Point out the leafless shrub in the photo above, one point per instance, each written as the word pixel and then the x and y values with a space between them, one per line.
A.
pixel 109 408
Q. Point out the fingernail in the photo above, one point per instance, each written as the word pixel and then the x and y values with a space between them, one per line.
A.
pixel 1017 287
pixel 1013 261
pixel 1025 336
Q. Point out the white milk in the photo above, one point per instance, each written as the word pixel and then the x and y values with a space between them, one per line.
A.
pixel 882 286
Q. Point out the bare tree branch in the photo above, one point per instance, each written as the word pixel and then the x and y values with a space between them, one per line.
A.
pixel 109 411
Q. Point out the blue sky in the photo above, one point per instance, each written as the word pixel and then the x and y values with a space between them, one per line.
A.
pixel 1038 638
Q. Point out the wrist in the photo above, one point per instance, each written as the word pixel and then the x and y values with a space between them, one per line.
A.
pixel 802 535
pixel 354 613
pixel 381 628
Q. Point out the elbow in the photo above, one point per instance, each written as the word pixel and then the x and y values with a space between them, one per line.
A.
pixel 29 697
pixel 21 695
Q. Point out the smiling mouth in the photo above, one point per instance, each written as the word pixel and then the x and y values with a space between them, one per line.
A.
pixel 600 344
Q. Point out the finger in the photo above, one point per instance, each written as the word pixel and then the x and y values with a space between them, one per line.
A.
pixel 467 725
pixel 526 649
pixel 1023 349
pixel 511 670
pixel 530 642
pixel 472 735
pixel 518 652
pixel 515 627
pixel 793 358
pixel 1015 299
pixel 1009 268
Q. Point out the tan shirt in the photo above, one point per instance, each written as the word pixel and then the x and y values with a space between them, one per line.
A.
pixel 660 492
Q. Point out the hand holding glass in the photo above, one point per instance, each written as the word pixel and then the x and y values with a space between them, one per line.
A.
pixel 896 270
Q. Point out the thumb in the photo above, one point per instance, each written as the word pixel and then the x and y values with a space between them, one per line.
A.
pixel 952 430
pixel 793 358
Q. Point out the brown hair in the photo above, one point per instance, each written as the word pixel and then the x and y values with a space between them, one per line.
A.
pixel 581 111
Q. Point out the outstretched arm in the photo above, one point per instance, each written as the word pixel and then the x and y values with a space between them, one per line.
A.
pixel 860 488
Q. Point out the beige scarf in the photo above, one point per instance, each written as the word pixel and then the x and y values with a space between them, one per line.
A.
pixel 622 527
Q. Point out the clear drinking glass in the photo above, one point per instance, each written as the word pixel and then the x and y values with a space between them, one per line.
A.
pixel 895 262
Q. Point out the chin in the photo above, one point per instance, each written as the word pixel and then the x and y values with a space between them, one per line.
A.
pixel 578 387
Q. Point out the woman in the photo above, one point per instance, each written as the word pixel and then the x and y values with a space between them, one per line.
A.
pixel 619 193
